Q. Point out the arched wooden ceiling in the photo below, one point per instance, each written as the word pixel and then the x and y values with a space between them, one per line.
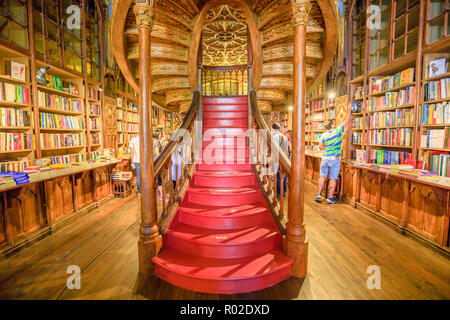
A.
pixel 174 46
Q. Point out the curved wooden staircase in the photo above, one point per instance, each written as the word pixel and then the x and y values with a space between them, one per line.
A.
pixel 223 238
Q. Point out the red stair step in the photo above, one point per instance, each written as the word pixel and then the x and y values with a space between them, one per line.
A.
pixel 233 217
pixel 226 107
pixel 227 179
pixel 225 132
pixel 225 100
pixel 222 276
pixel 223 197
pixel 224 167
pixel 221 243
pixel 225 123
pixel 224 115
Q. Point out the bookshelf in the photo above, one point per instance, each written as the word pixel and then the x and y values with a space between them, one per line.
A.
pixel 404 41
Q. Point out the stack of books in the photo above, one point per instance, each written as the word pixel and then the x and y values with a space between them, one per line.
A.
pixel 19 177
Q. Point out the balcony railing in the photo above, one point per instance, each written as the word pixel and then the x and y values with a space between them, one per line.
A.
pixel 225 81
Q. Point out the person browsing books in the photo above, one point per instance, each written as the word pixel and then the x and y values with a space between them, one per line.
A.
pixel 331 143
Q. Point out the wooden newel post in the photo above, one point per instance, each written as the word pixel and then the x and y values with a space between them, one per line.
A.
pixel 295 245
pixel 150 240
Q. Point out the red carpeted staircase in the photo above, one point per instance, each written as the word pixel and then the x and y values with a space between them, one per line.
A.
pixel 223 238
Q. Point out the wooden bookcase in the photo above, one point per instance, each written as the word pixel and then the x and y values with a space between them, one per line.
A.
pixel 412 33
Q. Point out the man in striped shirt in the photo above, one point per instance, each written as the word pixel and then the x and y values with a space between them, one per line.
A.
pixel 331 142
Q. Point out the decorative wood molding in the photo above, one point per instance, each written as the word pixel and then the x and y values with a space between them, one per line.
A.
pixel 285 51
pixel 144 15
pixel 285 68
pixel 277 82
pixel 165 84
pixel 169 69
pixel 276 96
pixel 176 96
pixel 300 12
pixel 160 50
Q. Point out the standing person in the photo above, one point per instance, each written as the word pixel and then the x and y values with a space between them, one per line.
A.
pixel 331 142
pixel 136 160
pixel 282 142
pixel 157 148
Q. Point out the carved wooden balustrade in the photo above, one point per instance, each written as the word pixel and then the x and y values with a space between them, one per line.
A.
pixel 267 156
pixel 175 165
pixel 225 81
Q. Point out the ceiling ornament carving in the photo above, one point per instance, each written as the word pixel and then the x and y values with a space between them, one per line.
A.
pixel 177 96
pixel 225 37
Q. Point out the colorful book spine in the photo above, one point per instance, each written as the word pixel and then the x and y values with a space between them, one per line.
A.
pixel 68 158
pixel 10 117
pixel 94 109
pixel 61 140
pixel 436 138
pixel 437 113
pixel 17 166
pixel 388 157
pixel 53 101
pixel 401 137
pixel 57 121
pixel 14 93
pixel 437 90
pixel 133 127
pixel 95 138
pixel 15 141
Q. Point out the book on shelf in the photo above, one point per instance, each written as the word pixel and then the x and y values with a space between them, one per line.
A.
pixel 15 141
pixel 438 162
pixel 359 93
pixel 391 82
pixel 94 109
pixel 401 137
pixel 401 98
pixel 356 107
pixel 133 127
pixel 17 70
pixel 357 123
pixel 14 93
pixel 437 90
pixel 435 138
pixel 61 140
pixel 407 76
pixel 360 155
pixel 17 166
pixel 94 124
pixel 69 158
pixel 94 94
pixel 388 157
pixel 57 121
pixel 436 67
pixel 95 138
pixel 438 113
pixel 54 101
pixel 10 117
pixel 356 137
pixel 401 117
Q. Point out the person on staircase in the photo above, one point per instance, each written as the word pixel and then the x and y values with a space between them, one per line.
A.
pixel 282 141
pixel 331 143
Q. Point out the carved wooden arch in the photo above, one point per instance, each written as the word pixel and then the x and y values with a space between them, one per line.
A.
pixel 255 37
pixel 119 17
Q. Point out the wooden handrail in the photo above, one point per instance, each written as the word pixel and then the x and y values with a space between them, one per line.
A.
pixel 187 122
pixel 261 124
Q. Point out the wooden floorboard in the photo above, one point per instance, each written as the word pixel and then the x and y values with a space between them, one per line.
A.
pixel 343 242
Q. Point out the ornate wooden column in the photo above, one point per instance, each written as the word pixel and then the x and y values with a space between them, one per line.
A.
pixel 296 242
pixel 150 240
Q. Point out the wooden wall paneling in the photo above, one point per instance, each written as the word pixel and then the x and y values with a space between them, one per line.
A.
pixel 391 198
pixel 3 237
pixel 83 189
pixel 427 208
pixel 316 169
pixel 102 187
pixel 445 235
pixel 369 189
pixel 309 167
pixel 59 199
pixel 350 178
pixel 25 210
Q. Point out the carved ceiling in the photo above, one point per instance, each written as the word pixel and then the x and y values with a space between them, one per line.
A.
pixel 225 37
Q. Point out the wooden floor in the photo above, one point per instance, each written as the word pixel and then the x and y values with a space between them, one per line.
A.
pixel 343 242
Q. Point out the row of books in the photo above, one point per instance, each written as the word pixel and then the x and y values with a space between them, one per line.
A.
pixel 317 136
pixel 96 154
pixel 57 121
pixel 390 82
pixel 357 123
pixel 437 90
pixel 436 138
pixel 391 137
pixel 440 164
pixel 69 158
pixel 95 138
pixel 93 94
pixel 119 114
pixel 94 109
pixel 60 140
pixel 10 117
pixel 317 126
pixel 317 105
pixel 133 127
pixel 121 138
pixel 317 117
pixel 134 117
pixel 14 93
pixel 13 141
pixel 359 93
pixel 54 101
pixel 401 117
pixel 132 106
pixel 388 157
pixel 17 166
pixel 120 126
pixel 356 137
pixel 438 113
pixel 394 99
pixel 331 113
pixel 94 124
